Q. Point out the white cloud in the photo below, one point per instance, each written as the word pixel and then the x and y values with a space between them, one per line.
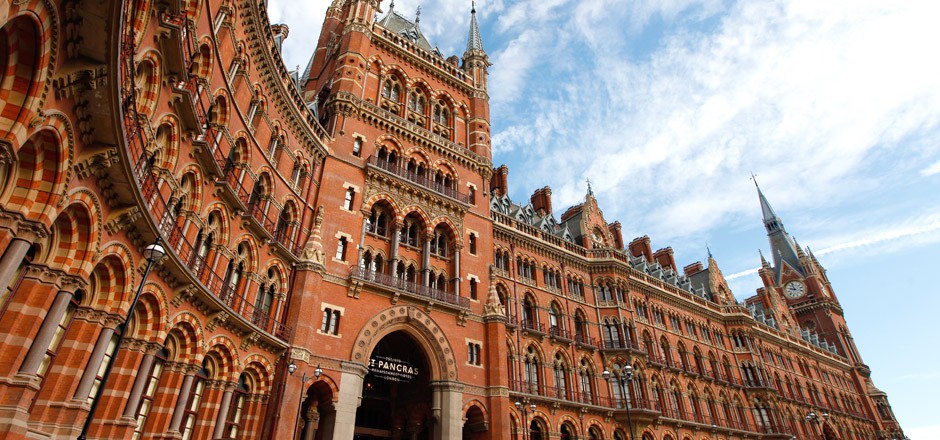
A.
pixel 923 432
pixel 916 231
pixel 931 170
pixel 803 93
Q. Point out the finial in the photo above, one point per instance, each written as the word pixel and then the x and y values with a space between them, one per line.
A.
pixel 473 7
pixel 708 250
pixel 391 6
pixel 590 191
pixel 418 16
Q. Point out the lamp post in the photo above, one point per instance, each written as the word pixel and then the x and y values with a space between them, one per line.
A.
pixel 814 421
pixel 303 380
pixel 152 253
pixel 525 409
pixel 626 374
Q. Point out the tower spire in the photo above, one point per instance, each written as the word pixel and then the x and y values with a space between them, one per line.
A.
pixel 782 247
pixel 475 40
pixel 771 221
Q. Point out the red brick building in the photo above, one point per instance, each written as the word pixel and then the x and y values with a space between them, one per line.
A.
pixel 343 260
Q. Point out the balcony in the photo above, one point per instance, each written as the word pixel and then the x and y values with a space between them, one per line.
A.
pixel 285 242
pixel 585 341
pixel 410 289
pixel 198 266
pixel 559 333
pixel 533 327
pixel 208 151
pixel 232 191
pixel 757 384
pixel 258 221
pixel 413 177
pixel 619 345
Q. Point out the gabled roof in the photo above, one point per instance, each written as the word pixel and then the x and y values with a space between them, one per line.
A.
pixel 408 29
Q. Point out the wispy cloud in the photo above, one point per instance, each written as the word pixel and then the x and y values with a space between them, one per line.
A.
pixel 931 170
pixel 767 90
pixel 920 230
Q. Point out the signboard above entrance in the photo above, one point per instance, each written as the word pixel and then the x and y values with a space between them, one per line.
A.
pixel 392 369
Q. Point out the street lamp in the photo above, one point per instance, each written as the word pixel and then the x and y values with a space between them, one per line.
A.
pixel 814 421
pixel 303 380
pixel 626 375
pixel 152 254
pixel 525 409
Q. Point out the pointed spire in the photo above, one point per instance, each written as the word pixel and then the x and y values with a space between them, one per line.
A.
pixel 771 221
pixel 475 41
pixel 590 191
pixel 763 261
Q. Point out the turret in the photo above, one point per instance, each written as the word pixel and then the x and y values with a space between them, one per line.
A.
pixel 782 247
pixel 476 64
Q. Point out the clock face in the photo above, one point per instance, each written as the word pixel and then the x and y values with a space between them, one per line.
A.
pixel 794 289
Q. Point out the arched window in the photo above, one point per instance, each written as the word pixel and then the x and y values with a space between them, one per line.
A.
pixel 265 298
pixel 586 374
pixel 392 89
pixel 612 334
pixel 554 320
pixel 239 395
pixel 580 327
pixel 149 390
pixel 529 317
pixel 194 399
pixel 532 371
pixel 566 432
pixel 560 372
pixel 378 222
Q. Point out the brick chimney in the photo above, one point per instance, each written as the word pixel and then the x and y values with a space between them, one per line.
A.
pixel 614 229
pixel 693 268
pixel 665 258
pixel 641 247
pixel 280 32
pixel 499 183
pixel 542 201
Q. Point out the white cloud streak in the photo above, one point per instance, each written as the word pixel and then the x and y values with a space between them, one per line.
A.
pixel 803 93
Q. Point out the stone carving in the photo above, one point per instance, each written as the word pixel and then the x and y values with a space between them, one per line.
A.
pixel 313 251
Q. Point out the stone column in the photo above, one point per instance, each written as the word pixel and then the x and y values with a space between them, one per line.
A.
pixel 223 411
pixel 426 262
pixel 46 332
pixel 362 240
pixel 457 271
pixel 447 407
pixel 12 259
pixel 350 397
pixel 393 260
pixel 143 376
pixel 311 422
pixel 94 362
pixel 181 402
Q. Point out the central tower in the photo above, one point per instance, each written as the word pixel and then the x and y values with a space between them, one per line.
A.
pixel 404 194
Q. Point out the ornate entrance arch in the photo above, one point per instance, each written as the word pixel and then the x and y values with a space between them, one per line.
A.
pixel 446 394
pixel 418 325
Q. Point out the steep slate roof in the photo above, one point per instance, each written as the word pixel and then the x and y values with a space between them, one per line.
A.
pixel 400 25
pixel 475 40
pixel 782 247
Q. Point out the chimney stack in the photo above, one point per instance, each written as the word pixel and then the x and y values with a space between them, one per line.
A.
pixel 542 201
pixel 641 247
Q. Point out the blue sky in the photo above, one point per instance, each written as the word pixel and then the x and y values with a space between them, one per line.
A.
pixel 667 106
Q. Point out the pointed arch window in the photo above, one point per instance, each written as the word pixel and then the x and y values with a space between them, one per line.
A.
pixel 194 400
pixel 239 395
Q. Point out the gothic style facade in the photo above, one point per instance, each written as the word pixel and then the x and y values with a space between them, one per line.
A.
pixel 342 260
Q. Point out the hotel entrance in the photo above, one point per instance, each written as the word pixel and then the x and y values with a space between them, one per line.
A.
pixel 396 392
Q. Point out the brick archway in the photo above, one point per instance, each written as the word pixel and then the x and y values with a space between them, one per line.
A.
pixel 418 325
